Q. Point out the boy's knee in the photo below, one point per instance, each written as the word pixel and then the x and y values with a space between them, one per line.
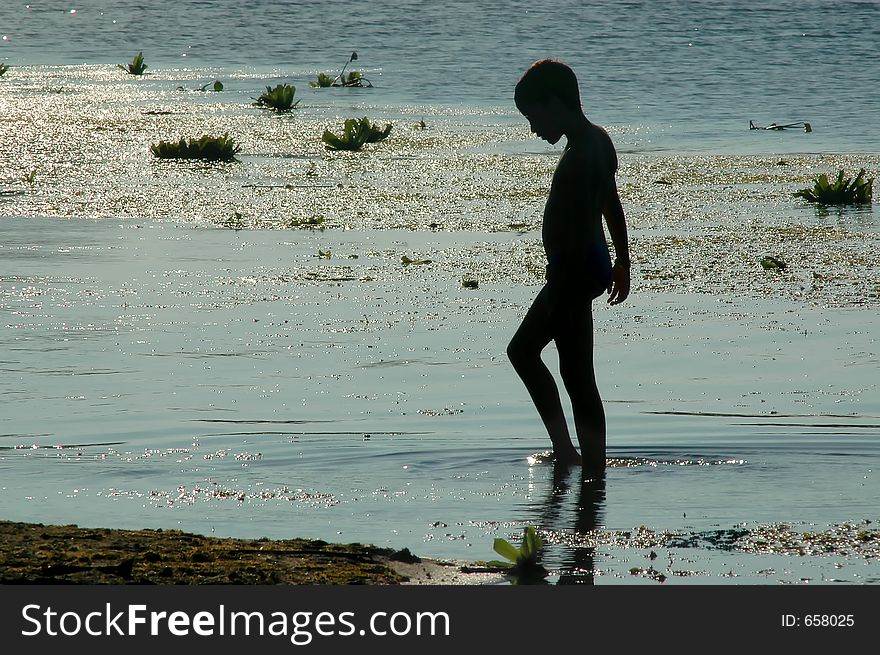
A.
pixel 518 354
pixel 513 351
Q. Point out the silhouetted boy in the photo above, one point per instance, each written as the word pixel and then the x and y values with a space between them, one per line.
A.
pixel 579 266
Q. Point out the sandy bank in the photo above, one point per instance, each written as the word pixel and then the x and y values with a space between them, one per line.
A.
pixel 33 553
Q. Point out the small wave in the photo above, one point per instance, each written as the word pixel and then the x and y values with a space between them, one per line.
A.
pixel 546 456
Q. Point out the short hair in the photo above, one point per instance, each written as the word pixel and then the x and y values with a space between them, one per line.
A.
pixel 546 78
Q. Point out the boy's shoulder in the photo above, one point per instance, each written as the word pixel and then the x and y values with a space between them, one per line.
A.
pixel 597 150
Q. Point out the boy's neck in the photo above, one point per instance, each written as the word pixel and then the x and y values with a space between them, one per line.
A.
pixel 577 128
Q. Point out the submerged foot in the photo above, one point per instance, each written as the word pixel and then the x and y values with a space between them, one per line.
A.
pixel 567 459
pixel 572 458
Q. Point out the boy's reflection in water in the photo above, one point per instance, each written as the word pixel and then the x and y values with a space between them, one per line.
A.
pixel 576 566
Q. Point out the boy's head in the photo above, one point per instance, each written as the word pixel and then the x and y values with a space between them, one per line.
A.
pixel 545 90
pixel 547 78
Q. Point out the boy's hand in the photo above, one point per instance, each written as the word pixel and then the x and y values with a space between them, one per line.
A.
pixel 618 290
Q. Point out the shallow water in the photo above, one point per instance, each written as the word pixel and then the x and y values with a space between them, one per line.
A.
pixel 685 75
pixel 178 352
pixel 223 381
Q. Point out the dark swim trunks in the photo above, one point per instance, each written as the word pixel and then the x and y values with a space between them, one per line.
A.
pixel 591 274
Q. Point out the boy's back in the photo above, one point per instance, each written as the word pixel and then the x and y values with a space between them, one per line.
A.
pixel 574 240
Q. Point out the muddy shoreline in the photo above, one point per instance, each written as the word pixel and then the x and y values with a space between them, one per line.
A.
pixel 33 553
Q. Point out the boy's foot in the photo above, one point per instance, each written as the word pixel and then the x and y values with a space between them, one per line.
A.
pixel 571 458
pixel 548 456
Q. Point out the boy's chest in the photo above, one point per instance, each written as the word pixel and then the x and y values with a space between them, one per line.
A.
pixel 578 182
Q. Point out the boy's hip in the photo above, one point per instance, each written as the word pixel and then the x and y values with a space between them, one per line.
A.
pixel 590 274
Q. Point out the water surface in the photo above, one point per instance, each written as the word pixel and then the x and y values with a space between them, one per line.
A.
pixel 178 351
pixel 222 385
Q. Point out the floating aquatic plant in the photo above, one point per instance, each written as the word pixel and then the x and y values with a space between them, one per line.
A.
pixel 323 82
pixel 354 56
pixel 843 191
pixel 309 222
pixel 649 572
pixel 406 261
pixel 278 99
pixel 210 148
pixel 524 562
pixel 352 79
pixel 234 222
pixel 374 133
pixel 216 85
pixel 137 65
pixel 770 263
pixel 355 133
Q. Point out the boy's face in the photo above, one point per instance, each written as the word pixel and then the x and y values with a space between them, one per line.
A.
pixel 544 118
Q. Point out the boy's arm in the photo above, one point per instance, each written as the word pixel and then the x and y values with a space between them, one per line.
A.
pixel 616 222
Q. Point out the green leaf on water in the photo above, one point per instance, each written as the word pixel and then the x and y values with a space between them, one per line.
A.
pixel 531 546
pixel 279 98
pixel 355 133
pixel 498 564
pixel 842 191
pixel 220 148
pixel 506 549
pixel 137 65
pixel 324 80
pixel 526 559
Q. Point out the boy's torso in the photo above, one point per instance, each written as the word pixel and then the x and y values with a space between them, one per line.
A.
pixel 581 182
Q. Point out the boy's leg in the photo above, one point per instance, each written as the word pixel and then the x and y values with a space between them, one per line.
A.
pixel 524 352
pixel 574 342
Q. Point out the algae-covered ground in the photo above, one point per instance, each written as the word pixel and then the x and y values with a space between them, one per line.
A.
pixel 32 553
pixel 78 145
